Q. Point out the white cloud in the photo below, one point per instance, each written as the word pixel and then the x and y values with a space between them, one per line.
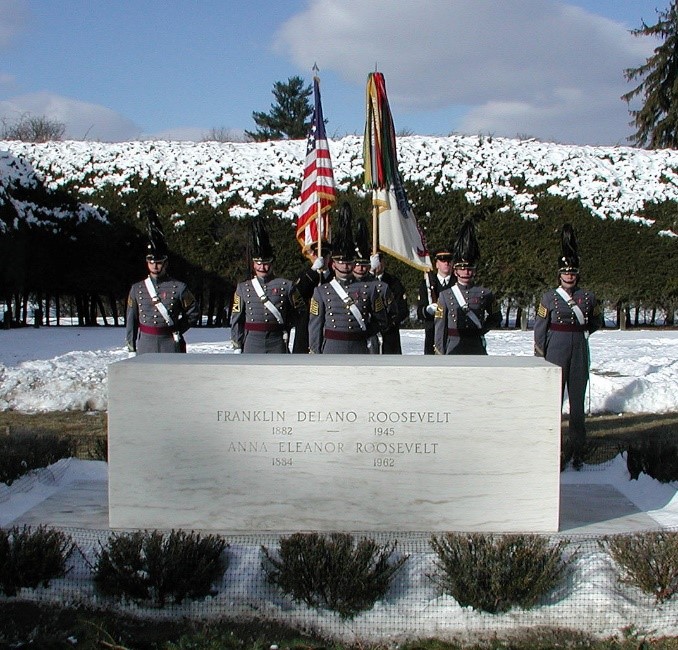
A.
pixel 84 121
pixel 530 66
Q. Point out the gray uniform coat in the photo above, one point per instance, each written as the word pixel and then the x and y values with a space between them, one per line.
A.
pixel 455 332
pixel 254 328
pixel 560 339
pixel 332 327
pixel 147 330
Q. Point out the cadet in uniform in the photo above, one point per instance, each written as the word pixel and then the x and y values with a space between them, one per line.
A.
pixel 565 318
pixel 265 307
pixel 400 309
pixel 345 312
pixel 308 280
pixel 362 271
pixel 160 309
pixel 433 285
pixel 465 312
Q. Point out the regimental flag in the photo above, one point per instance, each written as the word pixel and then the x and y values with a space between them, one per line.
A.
pixel 399 234
pixel 318 191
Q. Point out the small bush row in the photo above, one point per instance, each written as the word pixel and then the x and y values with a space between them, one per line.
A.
pixel 30 558
pixel 490 573
pixel 656 458
pixel 648 561
pixel 21 452
pixel 333 571
pixel 156 566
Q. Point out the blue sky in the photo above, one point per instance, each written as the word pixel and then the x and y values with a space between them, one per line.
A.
pixel 126 69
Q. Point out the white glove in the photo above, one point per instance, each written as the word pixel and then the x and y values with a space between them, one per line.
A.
pixel 431 309
pixel 374 262
pixel 237 350
pixel 318 264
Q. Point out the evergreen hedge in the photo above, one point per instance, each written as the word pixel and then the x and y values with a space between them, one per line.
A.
pixel 92 263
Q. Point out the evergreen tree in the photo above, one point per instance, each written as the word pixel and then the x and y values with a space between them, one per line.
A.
pixel 290 115
pixel 657 121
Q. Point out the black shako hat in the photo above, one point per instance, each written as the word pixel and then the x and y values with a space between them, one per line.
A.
pixel 362 242
pixel 444 252
pixel 343 246
pixel 466 252
pixel 325 247
pixel 260 245
pixel 568 262
pixel 156 249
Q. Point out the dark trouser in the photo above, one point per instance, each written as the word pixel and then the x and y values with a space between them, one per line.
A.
pixel 300 345
pixel 148 343
pixel 390 341
pixel 570 351
pixel 265 343
pixel 344 343
pixel 429 337
pixel 466 345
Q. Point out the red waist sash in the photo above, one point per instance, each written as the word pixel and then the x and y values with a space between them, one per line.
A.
pixel 464 332
pixel 563 327
pixel 155 331
pixel 263 327
pixel 345 336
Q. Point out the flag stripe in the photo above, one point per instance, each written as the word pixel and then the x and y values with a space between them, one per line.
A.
pixel 318 190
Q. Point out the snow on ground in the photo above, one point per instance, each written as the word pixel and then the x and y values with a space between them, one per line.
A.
pixel 61 368
pixel 635 371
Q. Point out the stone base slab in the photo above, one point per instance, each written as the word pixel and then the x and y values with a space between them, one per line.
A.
pixel 334 443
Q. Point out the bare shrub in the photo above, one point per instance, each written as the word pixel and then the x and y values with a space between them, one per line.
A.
pixel 332 571
pixel 496 572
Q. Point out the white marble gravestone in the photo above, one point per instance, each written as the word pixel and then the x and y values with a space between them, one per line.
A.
pixel 334 443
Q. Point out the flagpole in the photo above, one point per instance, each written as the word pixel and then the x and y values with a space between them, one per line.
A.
pixel 375 223
pixel 318 222
pixel 316 79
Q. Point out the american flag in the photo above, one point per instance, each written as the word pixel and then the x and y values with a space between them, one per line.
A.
pixel 318 191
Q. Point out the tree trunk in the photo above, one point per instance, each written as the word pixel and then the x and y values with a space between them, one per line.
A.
pixel 91 310
pixel 220 313
pixel 210 306
pixel 97 302
pixel 24 309
pixel 114 308
pixel 621 316
pixel 81 308
pixel 7 316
